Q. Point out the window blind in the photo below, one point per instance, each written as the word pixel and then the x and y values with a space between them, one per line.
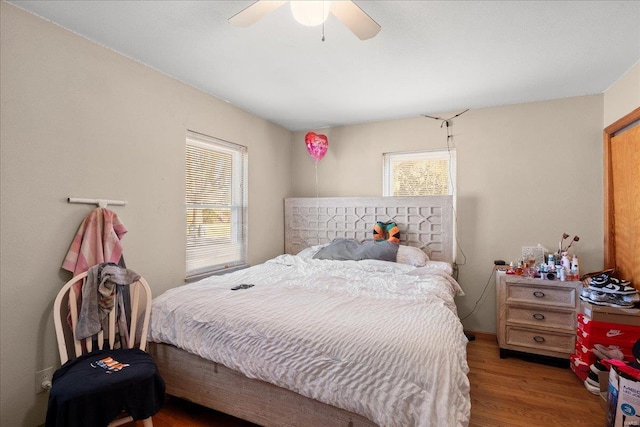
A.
pixel 216 204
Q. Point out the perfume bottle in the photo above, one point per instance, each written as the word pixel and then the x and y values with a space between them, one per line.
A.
pixel 519 269
pixel 565 263
pixel 551 261
pixel 575 271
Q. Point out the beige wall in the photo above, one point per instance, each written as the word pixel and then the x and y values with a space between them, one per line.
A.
pixel 526 174
pixel 623 97
pixel 80 120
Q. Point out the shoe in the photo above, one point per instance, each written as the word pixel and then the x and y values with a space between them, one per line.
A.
pixel 632 298
pixel 592 380
pixel 585 292
pixel 609 300
pixel 617 300
pixel 611 352
pixel 600 280
pixel 591 388
pixel 598 296
pixel 611 285
pixel 598 367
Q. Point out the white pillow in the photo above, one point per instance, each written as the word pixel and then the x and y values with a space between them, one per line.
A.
pixel 308 253
pixel 439 265
pixel 412 256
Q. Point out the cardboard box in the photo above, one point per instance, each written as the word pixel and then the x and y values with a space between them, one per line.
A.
pixel 623 400
pixel 623 316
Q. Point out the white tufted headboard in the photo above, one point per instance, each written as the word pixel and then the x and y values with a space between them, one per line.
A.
pixel 425 222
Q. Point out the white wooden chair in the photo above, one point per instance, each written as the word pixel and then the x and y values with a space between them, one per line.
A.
pixel 135 389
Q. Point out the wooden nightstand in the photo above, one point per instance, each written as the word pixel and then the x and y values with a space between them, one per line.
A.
pixel 536 316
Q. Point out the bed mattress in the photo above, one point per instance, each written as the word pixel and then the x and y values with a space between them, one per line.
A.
pixel 380 339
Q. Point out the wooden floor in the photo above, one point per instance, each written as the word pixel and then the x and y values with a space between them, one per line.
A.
pixel 504 392
pixel 514 392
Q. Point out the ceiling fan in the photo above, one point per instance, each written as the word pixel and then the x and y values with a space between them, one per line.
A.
pixel 313 13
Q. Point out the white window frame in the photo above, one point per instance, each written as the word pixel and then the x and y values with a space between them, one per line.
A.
pixel 444 154
pixel 200 261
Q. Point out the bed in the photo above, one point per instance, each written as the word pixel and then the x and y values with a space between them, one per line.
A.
pixel 326 342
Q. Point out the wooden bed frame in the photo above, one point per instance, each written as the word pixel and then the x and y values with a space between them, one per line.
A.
pixel 424 222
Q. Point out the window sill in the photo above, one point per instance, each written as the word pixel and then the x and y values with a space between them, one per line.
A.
pixel 220 272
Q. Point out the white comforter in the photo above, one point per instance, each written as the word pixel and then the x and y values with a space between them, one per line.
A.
pixel 376 338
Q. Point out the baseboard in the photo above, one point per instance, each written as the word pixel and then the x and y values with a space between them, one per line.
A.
pixel 485 336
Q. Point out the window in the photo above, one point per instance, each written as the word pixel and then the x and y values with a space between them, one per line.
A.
pixel 216 204
pixel 419 173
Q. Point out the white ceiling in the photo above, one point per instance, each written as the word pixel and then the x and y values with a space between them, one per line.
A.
pixel 430 56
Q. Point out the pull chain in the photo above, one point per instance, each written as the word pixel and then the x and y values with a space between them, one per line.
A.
pixel 323 6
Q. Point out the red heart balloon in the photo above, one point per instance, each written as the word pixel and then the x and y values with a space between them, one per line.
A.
pixel 317 145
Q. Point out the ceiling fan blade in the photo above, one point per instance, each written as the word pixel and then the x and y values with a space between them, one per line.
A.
pixel 355 19
pixel 251 14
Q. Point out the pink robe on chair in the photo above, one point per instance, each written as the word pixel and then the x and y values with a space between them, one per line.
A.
pixel 97 241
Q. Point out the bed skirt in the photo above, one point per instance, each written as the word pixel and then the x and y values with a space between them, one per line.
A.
pixel 215 386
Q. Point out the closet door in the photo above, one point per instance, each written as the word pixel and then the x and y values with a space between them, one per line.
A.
pixel 622 197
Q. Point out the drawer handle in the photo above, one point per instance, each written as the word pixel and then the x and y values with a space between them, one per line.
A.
pixel 538 316
pixel 538 294
pixel 538 338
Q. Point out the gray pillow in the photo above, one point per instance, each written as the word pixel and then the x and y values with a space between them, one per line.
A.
pixel 351 249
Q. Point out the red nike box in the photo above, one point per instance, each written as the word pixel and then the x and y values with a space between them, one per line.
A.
pixel 584 353
pixel 615 340
pixel 601 330
pixel 579 367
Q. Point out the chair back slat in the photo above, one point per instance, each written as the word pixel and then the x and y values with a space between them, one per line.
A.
pixel 111 324
pixel 147 315
pixel 67 301
pixel 100 340
pixel 88 343
pixel 73 306
pixel 134 312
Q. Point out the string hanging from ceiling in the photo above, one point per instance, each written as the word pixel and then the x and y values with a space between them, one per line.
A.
pixel 447 123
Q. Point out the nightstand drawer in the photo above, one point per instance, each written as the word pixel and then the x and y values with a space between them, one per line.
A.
pixel 541 340
pixel 542 318
pixel 541 295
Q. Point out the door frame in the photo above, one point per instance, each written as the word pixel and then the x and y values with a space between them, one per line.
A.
pixel 608 134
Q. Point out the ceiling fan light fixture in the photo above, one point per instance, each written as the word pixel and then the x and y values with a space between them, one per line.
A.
pixel 313 13
pixel 310 13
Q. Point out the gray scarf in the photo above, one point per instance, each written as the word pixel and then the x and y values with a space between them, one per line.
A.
pixel 98 296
